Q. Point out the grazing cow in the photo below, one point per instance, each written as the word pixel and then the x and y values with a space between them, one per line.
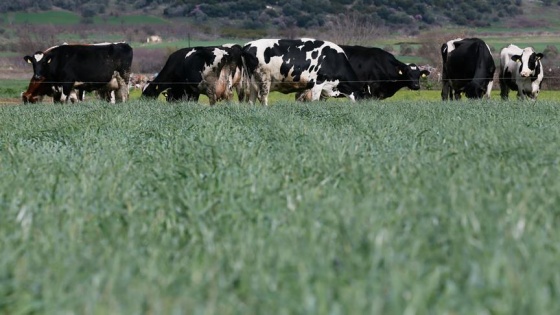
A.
pixel 153 39
pixel 520 70
pixel 468 67
pixel 104 67
pixel 189 72
pixel 37 90
pixel 380 72
pixel 295 65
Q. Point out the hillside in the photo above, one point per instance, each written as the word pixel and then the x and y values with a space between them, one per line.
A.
pixel 253 14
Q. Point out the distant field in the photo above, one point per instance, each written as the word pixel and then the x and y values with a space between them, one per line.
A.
pixel 68 18
pixel 51 17
pixel 410 207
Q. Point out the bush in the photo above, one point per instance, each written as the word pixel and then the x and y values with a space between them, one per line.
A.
pixel 550 52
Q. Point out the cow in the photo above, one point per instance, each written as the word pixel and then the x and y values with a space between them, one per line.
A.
pixel 520 70
pixel 468 67
pixel 381 74
pixel 104 66
pixel 153 39
pixel 188 72
pixel 37 90
pixel 295 65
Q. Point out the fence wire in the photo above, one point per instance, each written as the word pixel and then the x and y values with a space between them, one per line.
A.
pixel 279 82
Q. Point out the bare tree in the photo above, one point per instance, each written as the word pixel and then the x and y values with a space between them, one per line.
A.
pixel 35 38
pixel 351 28
pixel 430 44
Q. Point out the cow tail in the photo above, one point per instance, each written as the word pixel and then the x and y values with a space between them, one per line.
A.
pixel 250 63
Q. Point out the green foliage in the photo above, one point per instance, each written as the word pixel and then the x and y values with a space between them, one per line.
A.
pixel 322 208
pixel 309 13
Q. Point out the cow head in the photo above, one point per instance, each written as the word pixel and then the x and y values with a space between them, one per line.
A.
pixel 35 91
pixel 151 90
pixel 411 74
pixel 529 62
pixel 41 62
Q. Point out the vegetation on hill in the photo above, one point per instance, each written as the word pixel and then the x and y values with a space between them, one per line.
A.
pixel 415 14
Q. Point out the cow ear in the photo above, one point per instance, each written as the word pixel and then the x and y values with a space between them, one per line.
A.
pixel 516 58
pixel 49 60
pixel 540 56
pixel 425 73
pixel 27 59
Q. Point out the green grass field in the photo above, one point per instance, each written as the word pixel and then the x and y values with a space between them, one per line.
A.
pixel 402 207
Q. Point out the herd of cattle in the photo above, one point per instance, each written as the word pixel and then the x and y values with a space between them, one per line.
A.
pixel 311 68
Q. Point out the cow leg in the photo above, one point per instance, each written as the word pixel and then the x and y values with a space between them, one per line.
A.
pixel 74 97
pixel 192 97
pixel 211 93
pixel 445 91
pixel 57 96
pixel 254 89
pixel 457 95
pixel 264 89
pixel 243 90
pixel 504 89
pixel 303 96
pixel 520 94
pixel 253 93
pixel 489 89
pixel 316 91
pixel 261 83
pixel 66 90
pixel 81 94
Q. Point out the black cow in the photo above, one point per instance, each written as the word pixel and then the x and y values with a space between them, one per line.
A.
pixel 213 71
pixel 468 67
pixel 101 67
pixel 295 65
pixel 381 74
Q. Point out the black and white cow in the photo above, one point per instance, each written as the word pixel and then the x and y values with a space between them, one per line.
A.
pixel 468 66
pixel 188 72
pixel 67 68
pixel 295 65
pixel 381 74
pixel 520 70
pixel 38 89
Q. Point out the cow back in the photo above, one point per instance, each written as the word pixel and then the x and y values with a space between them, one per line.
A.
pixel 90 63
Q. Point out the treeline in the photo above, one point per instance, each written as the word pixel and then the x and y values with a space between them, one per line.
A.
pixel 297 13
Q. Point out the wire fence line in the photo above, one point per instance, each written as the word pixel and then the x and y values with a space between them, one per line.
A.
pixel 275 82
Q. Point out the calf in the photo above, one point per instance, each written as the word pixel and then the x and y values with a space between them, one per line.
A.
pixel 520 70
